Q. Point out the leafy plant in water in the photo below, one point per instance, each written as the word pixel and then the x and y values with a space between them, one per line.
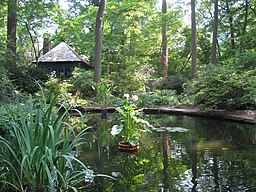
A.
pixel 131 125
pixel 36 149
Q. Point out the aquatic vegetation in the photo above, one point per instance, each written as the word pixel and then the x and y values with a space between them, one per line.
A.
pixel 130 125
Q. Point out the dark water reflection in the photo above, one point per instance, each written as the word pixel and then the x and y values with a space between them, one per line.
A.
pixel 213 155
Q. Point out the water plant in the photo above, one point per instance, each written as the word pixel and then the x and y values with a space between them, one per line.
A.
pixel 37 151
pixel 131 125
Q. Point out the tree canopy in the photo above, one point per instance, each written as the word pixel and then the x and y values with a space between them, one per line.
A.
pixel 132 41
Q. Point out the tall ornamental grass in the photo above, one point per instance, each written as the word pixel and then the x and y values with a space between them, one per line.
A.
pixel 35 149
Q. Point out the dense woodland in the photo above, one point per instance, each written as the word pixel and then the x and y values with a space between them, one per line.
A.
pixel 169 53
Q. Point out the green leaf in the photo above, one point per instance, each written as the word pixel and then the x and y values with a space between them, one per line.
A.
pixel 133 141
pixel 116 129
pixel 176 129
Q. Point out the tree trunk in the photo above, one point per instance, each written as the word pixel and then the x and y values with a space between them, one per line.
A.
pixel 98 41
pixel 108 65
pixel 46 45
pixel 194 46
pixel 11 32
pixel 123 39
pixel 214 35
pixel 164 40
pixel 36 53
pixel 231 26
pixel 244 26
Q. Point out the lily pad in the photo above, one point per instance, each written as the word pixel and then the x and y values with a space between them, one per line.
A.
pixel 177 129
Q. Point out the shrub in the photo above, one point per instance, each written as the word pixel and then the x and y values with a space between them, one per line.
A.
pixel 24 78
pixel 73 93
pixel 157 98
pixel 126 82
pixel 247 59
pixel 132 78
pixel 224 88
pixel 6 87
pixel 52 86
pixel 82 82
pixel 170 83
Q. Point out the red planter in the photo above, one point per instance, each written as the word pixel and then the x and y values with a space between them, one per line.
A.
pixel 127 147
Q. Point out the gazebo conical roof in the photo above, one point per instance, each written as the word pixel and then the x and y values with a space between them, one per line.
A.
pixel 62 53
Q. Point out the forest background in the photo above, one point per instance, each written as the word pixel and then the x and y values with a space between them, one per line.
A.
pixel 147 49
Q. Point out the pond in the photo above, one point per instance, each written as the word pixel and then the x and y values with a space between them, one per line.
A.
pixel 207 155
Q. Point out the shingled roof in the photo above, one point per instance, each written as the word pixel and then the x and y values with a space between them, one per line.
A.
pixel 61 53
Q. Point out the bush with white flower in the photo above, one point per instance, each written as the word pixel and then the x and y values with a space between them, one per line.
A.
pixel 130 125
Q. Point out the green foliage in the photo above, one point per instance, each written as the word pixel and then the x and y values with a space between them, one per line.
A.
pixel 171 83
pixel 104 93
pixel 6 87
pixel 126 82
pixel 63 88
pixel 158 98
pixel 76 89
pixel 131 125
pixel 82 82
pixel 224 88
pixel 247 60
pixel 24 78
pixel 132 78
pixel 36 149
pixel 52 86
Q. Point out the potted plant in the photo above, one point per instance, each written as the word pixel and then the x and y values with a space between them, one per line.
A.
pixel 130 125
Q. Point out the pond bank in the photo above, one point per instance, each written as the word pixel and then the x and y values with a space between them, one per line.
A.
pixel 243 116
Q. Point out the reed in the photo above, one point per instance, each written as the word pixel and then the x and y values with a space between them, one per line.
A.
pixel 35 151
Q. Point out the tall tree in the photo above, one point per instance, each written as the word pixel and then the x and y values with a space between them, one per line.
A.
pixel 244 25
pixel 194 46
pixel 11 32
pixel 164 39
pixel 214 34
pixel 98 41
pixel 231 26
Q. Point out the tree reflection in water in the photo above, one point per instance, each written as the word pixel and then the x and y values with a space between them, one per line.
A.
pixel 194 164
pixel 212 156
pixel 166 160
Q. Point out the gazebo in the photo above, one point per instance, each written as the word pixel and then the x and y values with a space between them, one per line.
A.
pixel 62 60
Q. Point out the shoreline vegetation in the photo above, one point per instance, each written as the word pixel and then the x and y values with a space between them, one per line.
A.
pixel 243 116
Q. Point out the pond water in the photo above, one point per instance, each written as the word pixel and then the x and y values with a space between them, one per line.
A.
pixel 213 155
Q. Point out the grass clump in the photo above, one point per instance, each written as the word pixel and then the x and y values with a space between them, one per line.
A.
pixel 36 148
